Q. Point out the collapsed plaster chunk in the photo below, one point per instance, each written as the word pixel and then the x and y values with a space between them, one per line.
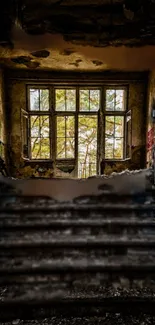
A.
pixel 68 189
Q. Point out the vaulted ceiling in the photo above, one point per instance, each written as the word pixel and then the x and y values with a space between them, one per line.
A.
pixel 78 34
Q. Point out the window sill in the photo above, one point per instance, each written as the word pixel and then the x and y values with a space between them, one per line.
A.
pixel 37 160
pixel 117 160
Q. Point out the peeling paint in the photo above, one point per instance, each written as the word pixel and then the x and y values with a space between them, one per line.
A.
pixel 78 61
pixel 76 64
pixel 21 59
pixel 33 64
pixel 26 61
pixel 97 62
pixel 67 52
pixel 41 54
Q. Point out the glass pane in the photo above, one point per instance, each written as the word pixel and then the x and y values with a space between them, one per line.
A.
pixel 44 126
pixel 84 100
pixel 60 148
pixel 44 99
pixel 60 126
pixel 70 147
pixel 39 132
pixel 70 99
pixel 87 146
pixel 35 126
pixel 114 137
pixel 60 100
pixel 118 148
pixel 94 100
pixel 109 148
pixel 40 148
pixel 109 126
pixel 115 100
pixel 110 99
pixel 65 126
pixel 89 100
pixel 34 99
pixel 39 126
pixel 65 137
pixel 119 126
pixel 35 148
pixel 70 126
pixel 120 105
pixel 65 99
pixel 45 148
pixel 39 99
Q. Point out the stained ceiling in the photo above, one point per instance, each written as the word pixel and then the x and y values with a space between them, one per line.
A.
pixel 78 34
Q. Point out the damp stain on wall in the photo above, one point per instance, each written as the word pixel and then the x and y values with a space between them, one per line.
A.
pixel 41 54
pixel 97 62
pixel 67 52
pixel 26 61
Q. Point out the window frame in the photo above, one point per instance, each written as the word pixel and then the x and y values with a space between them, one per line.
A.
pixel 117 113
pixel 62 113
pixel 101 113
pixel 38 113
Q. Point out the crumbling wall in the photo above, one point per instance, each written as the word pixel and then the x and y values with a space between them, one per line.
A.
pixel 150 126
pixel 2 115
pixel 17 101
